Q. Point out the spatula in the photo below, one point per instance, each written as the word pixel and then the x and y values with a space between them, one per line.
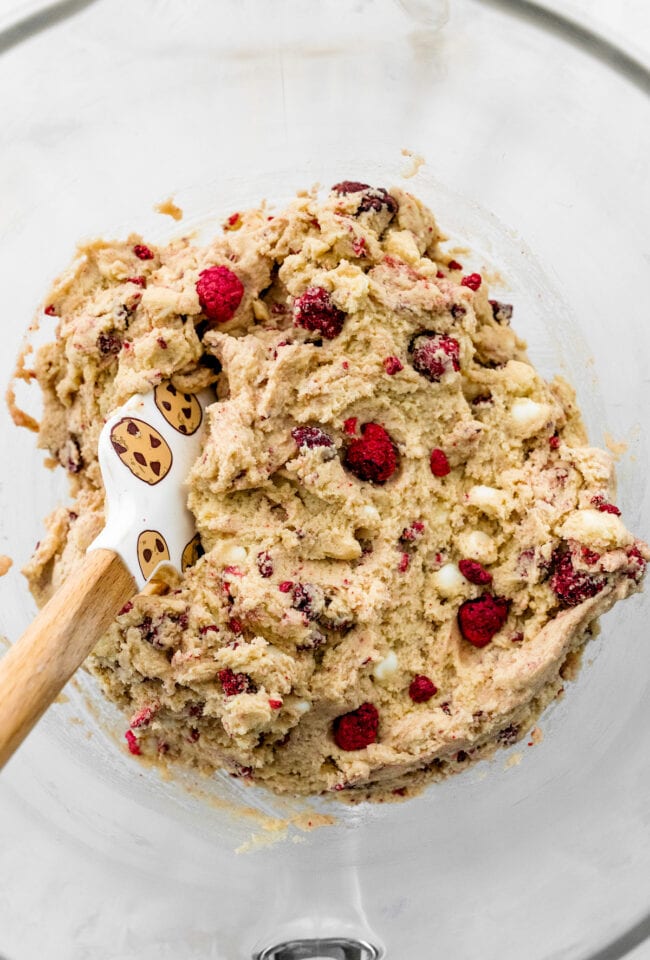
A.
pixel 145 451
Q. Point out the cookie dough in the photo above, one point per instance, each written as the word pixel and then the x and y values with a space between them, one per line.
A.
pixel 405 539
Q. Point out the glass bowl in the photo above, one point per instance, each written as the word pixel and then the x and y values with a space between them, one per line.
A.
pixel 535 156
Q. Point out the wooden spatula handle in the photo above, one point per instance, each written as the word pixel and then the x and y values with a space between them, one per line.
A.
pixel 37 667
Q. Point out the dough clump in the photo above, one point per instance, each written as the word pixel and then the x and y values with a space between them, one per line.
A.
pixel 406 536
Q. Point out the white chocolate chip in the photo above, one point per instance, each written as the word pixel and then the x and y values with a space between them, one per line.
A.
pixel 370 513
pixel 449 580
pixel 596 529
pixel 527 417
pixel 233 553
pixel 477 545
pixel 489 499
pixel 387 667
pixel 302 706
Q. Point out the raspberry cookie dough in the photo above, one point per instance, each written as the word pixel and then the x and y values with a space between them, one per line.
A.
pixel 405 539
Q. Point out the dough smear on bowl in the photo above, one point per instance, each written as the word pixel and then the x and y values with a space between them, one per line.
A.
pixel 405 536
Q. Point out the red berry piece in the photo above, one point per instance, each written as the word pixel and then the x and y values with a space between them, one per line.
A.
pixel 404 563
pixel 50 310
pixel 357 729
pixel 638 564
pixel 132 743
pixel 454 265
pixel 434 354
pixel 265 564
pixel 439 463
pixel 285 586
pixel 422 689
pixel 220 293
pixel 480 619
pixel 473 571
pixel 233 683
pixel 373 456
pixel 308 599
pixel 502 312
pixel 143 717
pixel 393 365
pixel 350 426
pixel 311 437
pixel 601 504
pixel 142 252
pixel 572 586
pixel 374 198
pixel 108 344
pixel 316 311
pixel 472 280
pixel 138 281
pixel 413 532
pixel 275 704
pixel 554 442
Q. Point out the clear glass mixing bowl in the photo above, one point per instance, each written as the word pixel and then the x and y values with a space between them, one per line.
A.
pixel 536 154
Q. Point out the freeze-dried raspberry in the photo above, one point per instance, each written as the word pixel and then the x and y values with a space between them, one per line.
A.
pixel 350 426
pixel 128 606
pixel 50 310
pixel 275 704
pixel 434 354
pixel 349 186
pixel 454 265
pixel 308 599
pixel 143 717
pixel 132 743
pixel 439 463
pixel 234 683
pixel 601 504
pixel 472 280
pixel 404 563
pixel 138 281
pixel 373 456
pixel 142 252
pixel 220 292
pixel 265 564
pixel 108 344
pixel 233 222
pixel 480 619
pixel 374 198
pixel 422 689
pixel 357 729
pixel 638 564
pixel 311 437
pixel 473 571
pixel 589 556
pixel 393 365
pixel 236 625
pixel 285 586
pixel 413 532
pixel 554 442
pixel 502 312
pixel 315 311
pixel 572 586
pixel 162 343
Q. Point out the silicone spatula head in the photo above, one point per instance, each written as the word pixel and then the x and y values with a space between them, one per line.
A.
pixel 146 450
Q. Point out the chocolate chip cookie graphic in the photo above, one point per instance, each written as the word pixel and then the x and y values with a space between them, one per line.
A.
pixel 152 550
pixel 181 410
pixel 142 449
pixel 191 552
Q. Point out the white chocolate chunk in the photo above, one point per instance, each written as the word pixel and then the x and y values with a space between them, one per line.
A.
pixel 387 667
pixel 477 545
pixel 302 706
pixel 527 417
pixel 596 529
pixel 449 580
pixel 489 499
pixel 233 553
